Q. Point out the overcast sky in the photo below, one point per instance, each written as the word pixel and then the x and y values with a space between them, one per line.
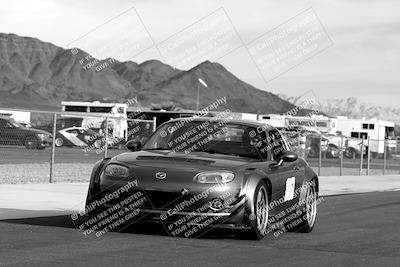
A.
pixel 363 61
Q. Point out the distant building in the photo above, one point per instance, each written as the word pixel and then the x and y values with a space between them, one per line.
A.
pixel 95 114
pixel 20 116
pixel 377 130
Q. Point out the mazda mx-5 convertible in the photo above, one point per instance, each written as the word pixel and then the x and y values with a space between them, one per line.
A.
pixel 194 174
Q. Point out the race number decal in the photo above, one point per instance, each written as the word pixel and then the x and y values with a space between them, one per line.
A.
pixel 289 191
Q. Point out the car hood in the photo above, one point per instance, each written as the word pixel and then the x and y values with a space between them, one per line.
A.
pixel 35 131
pixel 179 168
pixel 195 160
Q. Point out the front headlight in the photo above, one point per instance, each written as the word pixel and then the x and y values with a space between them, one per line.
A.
pixel 116 171
pixel 214 177
pixel 41 136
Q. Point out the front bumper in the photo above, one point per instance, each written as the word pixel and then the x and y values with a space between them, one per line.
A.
pixel 45 143
pixel 173 214
pixel 224 219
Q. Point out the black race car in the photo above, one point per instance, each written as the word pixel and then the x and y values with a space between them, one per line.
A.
pixel 197 173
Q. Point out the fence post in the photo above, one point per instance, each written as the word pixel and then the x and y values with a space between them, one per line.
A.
pixel 341 155
pixel 384 156
pixel 53 148
pixel 154 124
pixel 298 146
pixel 106 139
pixel 361 156
pixel 320 156
pixel 368 154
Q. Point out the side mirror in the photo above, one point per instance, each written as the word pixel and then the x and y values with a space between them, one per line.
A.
pixel 287 156
pixel 133 145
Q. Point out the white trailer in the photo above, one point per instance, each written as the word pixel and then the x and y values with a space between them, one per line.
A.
pixel 244 116
pixel 275 120
pixel 19 116
pixel 116 112
pixel 376 130
pixel 318 123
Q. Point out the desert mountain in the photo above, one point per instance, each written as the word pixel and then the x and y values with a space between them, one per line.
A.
pixel 353 108
pixel 39 75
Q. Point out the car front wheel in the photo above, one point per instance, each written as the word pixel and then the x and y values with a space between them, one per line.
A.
pixel 31 142
pixel 259 219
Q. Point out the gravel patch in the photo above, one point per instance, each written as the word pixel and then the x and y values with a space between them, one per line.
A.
pixel 40 173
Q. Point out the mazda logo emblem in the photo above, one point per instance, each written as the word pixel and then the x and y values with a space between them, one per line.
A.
pixel 161 175
pixel 184 191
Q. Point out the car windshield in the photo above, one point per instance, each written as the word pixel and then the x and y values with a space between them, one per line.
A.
pixel 15 124
pixel 204 136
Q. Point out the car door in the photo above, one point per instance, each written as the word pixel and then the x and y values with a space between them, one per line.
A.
pixel 286 177
pixel 74 137
pixel 3 135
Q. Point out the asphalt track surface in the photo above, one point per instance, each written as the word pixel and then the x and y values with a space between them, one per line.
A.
pixel 351 230
pixel 21 155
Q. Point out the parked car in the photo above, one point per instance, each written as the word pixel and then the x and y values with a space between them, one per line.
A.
pixel 351 146
pixel 309 141
pixel 63 123
pixel 26 124
pixel 354 147
pixel 13 133
pixel 233 174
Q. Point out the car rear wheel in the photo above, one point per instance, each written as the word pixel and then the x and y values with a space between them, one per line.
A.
pixel 259 219
pixel 314 152
pixel 59 142
pixel 308 210
pixel 350 153
pixel 31 142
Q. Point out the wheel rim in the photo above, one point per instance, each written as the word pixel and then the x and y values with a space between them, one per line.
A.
pixel 349 153
pixel 312 153
pixel 30 143
pixel 311 205
pixel 59 142
pixel 262 210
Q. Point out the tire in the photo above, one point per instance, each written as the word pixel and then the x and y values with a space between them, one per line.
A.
pixel 332 149
pixel 365 155
pixel 314 152
pixel 31 142
pixel 91 198
pixel 308 209
pixel 59 142
pixel 259 220
pixel 349 153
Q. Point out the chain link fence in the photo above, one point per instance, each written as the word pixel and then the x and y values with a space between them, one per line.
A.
pixel 40 146
pixel 340 155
